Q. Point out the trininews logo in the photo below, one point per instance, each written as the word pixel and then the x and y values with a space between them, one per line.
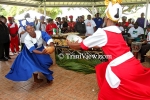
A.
pixel 83 56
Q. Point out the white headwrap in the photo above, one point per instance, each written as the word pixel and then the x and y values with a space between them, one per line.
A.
pixel 114 10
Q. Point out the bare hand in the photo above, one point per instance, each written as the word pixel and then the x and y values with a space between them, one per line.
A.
pixel 44 51
pixel 96 47
pixel 48 50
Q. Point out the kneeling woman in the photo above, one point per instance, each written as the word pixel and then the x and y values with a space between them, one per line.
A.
pixel 33 58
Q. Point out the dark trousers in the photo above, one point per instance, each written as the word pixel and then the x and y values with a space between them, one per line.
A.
pixel 4 50
pixel 144 50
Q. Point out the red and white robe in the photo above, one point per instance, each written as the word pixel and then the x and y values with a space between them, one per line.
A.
pixel 122 77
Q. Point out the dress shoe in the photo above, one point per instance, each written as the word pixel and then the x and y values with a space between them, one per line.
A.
pixel 4 59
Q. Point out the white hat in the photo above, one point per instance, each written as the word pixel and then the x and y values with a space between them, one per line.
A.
pixel 114 10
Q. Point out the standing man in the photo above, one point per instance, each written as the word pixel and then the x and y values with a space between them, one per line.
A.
pixel 80 26
pixel 90 26
pixel 136 31
pixel 124 21
pixel 42 23
pixel 141 21
pixel 37 24
pixel 71 24
pixel 66 18
pixel 145 48
pixel 58 22
pixel 98 20
pixel 50 26
pixel 64 26
pixel 13 30
pixel 4 40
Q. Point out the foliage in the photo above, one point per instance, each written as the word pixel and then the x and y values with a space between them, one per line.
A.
pixel 127 9
pixel 80 65
pixel 2 11
pixel 70 8
pixel 51 12
pixel 101 10
pixel 14 10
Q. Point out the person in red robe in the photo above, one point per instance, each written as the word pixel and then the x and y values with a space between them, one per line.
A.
pixel 71 24
pixel 124 21
pixel 13 30
pixel 50 26
pixel 122 77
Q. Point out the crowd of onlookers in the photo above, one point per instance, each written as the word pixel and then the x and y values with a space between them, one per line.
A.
pixel 12 35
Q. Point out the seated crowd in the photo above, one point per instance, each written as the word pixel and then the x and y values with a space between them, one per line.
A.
pixel 14 34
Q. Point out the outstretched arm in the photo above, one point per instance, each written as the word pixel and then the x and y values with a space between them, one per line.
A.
pixel 50 45
pixel 78 46
pixel 38 52
pixel 97 40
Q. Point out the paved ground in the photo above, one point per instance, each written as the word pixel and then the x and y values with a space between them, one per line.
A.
pixel 67 85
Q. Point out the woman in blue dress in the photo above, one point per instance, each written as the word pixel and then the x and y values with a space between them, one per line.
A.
pixel 33 58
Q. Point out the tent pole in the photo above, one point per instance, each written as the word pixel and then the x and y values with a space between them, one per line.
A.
pixel 45 8
pixel 93 12
pixel 145 23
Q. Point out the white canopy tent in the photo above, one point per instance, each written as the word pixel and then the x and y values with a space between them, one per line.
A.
pixel 32 13
pixel 81 11
pixel 70 3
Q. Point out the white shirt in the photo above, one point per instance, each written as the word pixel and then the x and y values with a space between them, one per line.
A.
pixel 148 37
pixel 30 42
pixel 43 27
pixel 22 35
pixel 130 25
pixel 99 38
pixel 37 26
pixel 121 28
pixel 136 32
pixel 90 24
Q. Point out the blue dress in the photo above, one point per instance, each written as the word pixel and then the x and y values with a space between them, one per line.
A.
pixel 28 62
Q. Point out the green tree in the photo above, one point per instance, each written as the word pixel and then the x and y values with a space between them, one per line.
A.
pixel 15 10
pixel 2 11
pixel 51 12
pixel 127 9
pixel 101 10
